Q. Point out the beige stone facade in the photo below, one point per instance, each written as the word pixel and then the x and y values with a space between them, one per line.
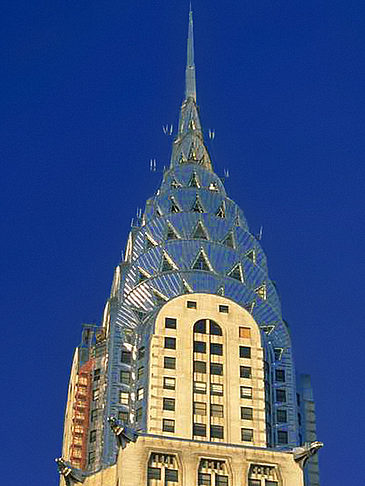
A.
pixel 190 457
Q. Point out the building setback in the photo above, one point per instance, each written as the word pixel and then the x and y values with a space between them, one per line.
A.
pixel 189 379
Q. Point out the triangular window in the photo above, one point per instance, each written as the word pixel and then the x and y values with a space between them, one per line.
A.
pixel 171 232
pixel 278 352
pixel 192 154
pixel 160 298
pixel 201 262
pixel 194 182
pixel 228 240
pixel 220 291
pixel 158 211
pixel 174 208
pixel 249 307
pixel 167 263
pixel 174 184
pixel 197 206
pixel 261 291
pixel 200 233
pixel 213 187
pixel 268 329
pixel 142 275
pixel 186 288
pixel 236 272
pixel 140 314
pixel 237 219
pixel 182 159
pixel 221 212
pixel 150 242
pixel 251 255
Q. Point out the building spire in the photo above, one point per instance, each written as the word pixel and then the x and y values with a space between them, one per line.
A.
pixel 190 84
pixel 189 145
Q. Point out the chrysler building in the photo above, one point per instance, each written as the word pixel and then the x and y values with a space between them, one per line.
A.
pixel 189 379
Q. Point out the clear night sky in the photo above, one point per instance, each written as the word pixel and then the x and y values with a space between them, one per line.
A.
pixel 85 89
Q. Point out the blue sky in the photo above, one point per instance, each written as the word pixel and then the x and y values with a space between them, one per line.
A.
pixel 85 89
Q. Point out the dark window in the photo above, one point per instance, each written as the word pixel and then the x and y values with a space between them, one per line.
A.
pixel 125 377
pixel 169 383
pixel 199 429
pixel 214 329
pixel 154 473
pixel 200 326
pixel 278 353
pixel 200 347
pixel 170 323
pixel 216 410
pixel 298 399
pixel 216 348
pixel 281 416
pixel 171 475
pixel 126 357
pixel 224 309
pixel 246 413
pixel 200 367
pixel 299 419
pixel 191 304
pixel 221 480
pixel 94 415
pixel 168 425
pixel 254 482
pixel 216 389
pixel 245 371
pixel 97 375
pixel 93 436
pixel 140 372
pixel 216 431
pixel 123 416
pixel 170 343
pixel 169 362
pixel 280 395
pixel 140 354
pixel 204 479
pixel 270 483
pixel 168 404
pixel 139 413
pixel 200 387
pixel 216 369
pixel 246 392
pixel 247 435
pixel 282 437
pixel 91 458
pixel 200 408
pixel 245 352
pixel 280 375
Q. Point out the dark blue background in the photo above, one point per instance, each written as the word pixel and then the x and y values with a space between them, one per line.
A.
pixel 85 89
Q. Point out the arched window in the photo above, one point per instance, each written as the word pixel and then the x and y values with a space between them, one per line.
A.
pixel 201 327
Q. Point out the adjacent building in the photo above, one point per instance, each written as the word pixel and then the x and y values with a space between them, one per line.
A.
pixel 189 380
